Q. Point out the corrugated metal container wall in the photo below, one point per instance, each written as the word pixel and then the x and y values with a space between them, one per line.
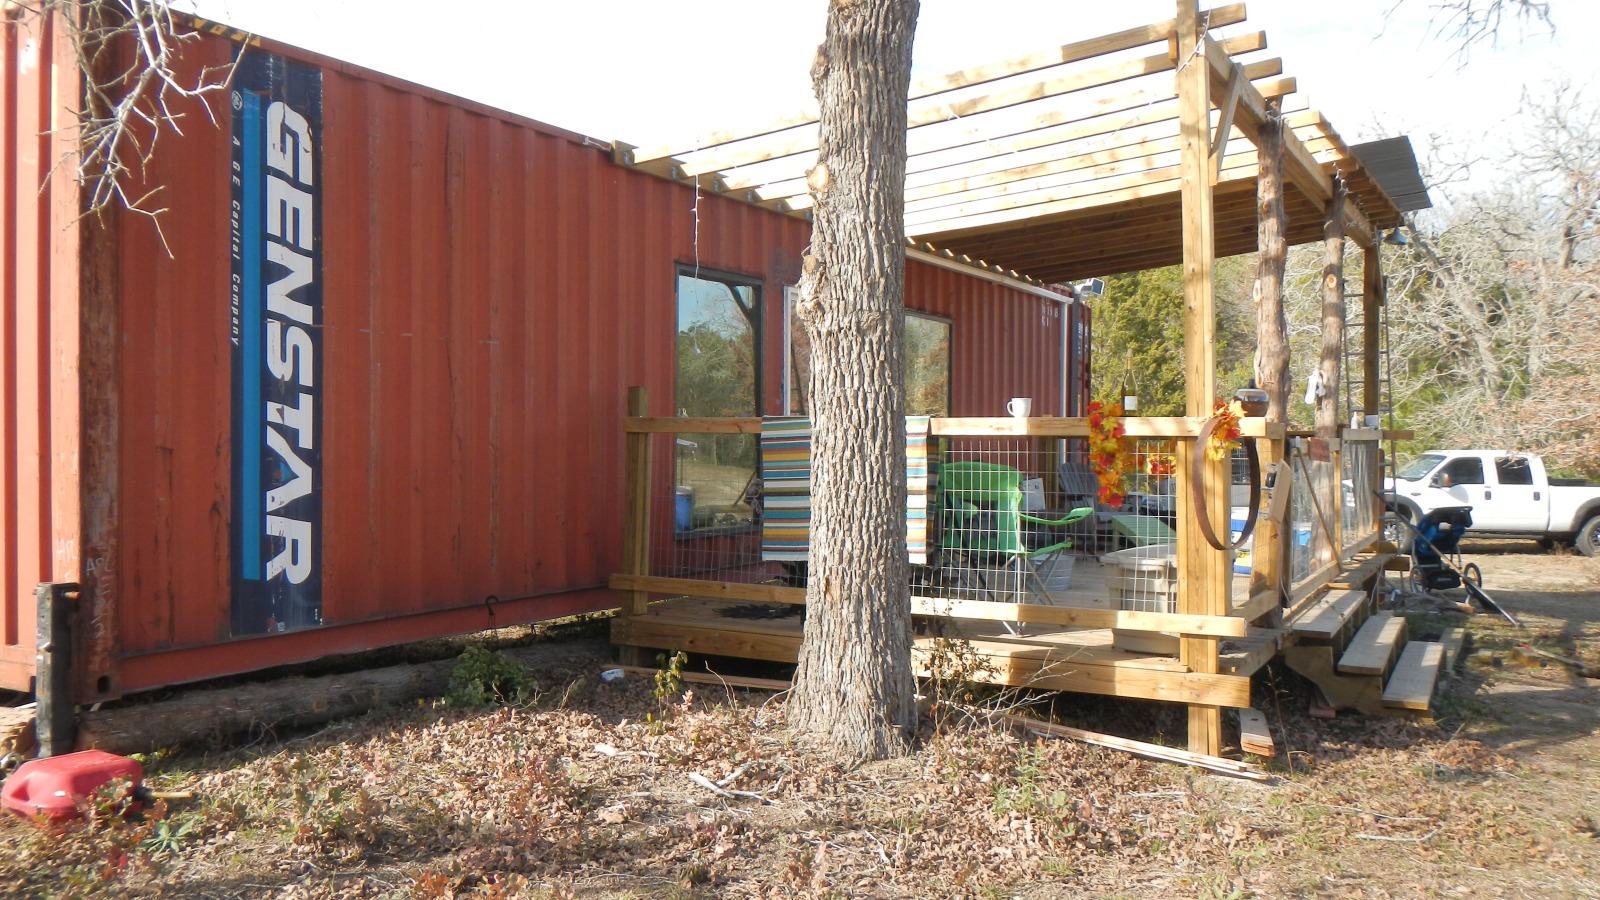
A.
pixel 484 290
pixel 39 437
pixel 492 287
pixel 1005 342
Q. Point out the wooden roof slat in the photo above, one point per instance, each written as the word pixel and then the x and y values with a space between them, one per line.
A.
pixel 1240 153
pixel 804 138
pixel 1125 188
pixel 996 156
pixel 1076 51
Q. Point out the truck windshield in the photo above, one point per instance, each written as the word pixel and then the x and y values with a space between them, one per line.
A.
pixel 1418 468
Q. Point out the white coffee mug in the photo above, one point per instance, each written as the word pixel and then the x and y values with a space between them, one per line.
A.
pixel 1021 407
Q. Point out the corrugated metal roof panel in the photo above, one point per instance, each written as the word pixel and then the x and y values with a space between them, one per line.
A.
pixel 1394 165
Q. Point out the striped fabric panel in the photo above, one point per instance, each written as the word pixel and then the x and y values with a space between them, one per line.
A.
pixel 917 489
pixel 786 488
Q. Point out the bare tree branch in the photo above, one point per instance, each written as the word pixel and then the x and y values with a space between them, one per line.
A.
pixel 126 108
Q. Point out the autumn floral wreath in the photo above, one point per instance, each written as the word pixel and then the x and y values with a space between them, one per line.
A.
pixel 1106 455
pixel 1225 438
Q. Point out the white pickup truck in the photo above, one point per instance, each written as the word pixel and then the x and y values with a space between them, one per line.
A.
pixel 1510 496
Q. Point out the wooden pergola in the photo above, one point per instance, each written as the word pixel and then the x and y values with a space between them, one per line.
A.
pixel 1068 163
pixel 1146 148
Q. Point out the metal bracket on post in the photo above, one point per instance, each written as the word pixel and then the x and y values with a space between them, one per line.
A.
pixel 56 720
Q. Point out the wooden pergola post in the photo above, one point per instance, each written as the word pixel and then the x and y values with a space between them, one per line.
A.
pixel 1372 300
pixel 1268 548
pixel 1327 413
pixel 1203 576
pixel 636 517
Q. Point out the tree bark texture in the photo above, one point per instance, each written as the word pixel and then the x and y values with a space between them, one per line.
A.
pixel 1272 326
pixel 1327 419
pixel 1325 478
pixel 854 688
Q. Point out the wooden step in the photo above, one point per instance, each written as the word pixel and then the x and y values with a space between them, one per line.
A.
pixel 1328 616
pixel 1361 570
pixel 1411 684
pixel 1374 646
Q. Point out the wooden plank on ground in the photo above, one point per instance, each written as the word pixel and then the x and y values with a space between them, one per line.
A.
pixel 1254 735
pixel 1411 684
pixel 1330 614
pixel 1374 646
pixel 1451 640
pixel 1154 751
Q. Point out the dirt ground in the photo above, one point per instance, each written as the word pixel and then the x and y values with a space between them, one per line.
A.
pixel 589 789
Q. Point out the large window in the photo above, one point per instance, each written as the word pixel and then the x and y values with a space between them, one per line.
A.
pixel 927 364
pixel 718 375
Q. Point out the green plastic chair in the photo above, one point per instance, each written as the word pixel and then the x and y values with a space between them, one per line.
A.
pixel 983 520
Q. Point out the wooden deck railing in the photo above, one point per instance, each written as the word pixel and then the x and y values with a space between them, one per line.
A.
pixel 1207 611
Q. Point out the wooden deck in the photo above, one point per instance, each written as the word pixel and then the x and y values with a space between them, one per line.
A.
pixel 1049 656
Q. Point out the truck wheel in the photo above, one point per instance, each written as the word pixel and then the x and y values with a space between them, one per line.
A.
pixel 1588 540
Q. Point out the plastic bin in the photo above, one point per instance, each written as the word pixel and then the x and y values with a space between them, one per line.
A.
pixel 1143 579
pixel 683 509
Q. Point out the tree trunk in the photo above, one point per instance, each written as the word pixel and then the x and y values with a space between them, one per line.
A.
pixel 1327 418
pixel 1272 327
pixel 854 688
pixel 1325 477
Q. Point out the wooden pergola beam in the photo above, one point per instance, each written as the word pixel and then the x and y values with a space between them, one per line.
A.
pixel 804 138
pixel 1077 51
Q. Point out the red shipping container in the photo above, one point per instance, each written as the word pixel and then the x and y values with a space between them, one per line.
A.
pixel 57 786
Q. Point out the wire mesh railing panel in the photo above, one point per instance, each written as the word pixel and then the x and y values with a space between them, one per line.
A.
pixel 706 509
pixel 1358 489
pixel 1313 514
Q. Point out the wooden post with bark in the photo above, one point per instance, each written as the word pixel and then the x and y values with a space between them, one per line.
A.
pixel 1372 300
pixel 1202 571
pixel 1268 547
pixel 854 688
pixel 1326 476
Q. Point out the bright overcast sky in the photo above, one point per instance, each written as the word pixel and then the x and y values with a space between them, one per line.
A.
pixel 646 70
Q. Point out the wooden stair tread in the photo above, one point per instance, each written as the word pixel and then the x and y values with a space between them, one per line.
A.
pixel 1374 646
pixel 1411 684
pixel 1330 614
pixel 1361 569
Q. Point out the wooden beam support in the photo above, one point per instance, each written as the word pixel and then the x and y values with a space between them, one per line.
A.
pixel 1302 170
pixel 1371 316
pixel 636 513
pixel 1230 103
pixel 1202 577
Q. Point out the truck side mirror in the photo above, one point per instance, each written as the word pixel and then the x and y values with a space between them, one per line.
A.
pixel 1441 480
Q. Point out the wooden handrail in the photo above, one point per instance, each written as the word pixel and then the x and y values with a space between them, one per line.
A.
pixel 1179 427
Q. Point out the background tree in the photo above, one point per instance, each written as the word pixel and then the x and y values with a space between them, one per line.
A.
pixel 854 687
pixel 1138 325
